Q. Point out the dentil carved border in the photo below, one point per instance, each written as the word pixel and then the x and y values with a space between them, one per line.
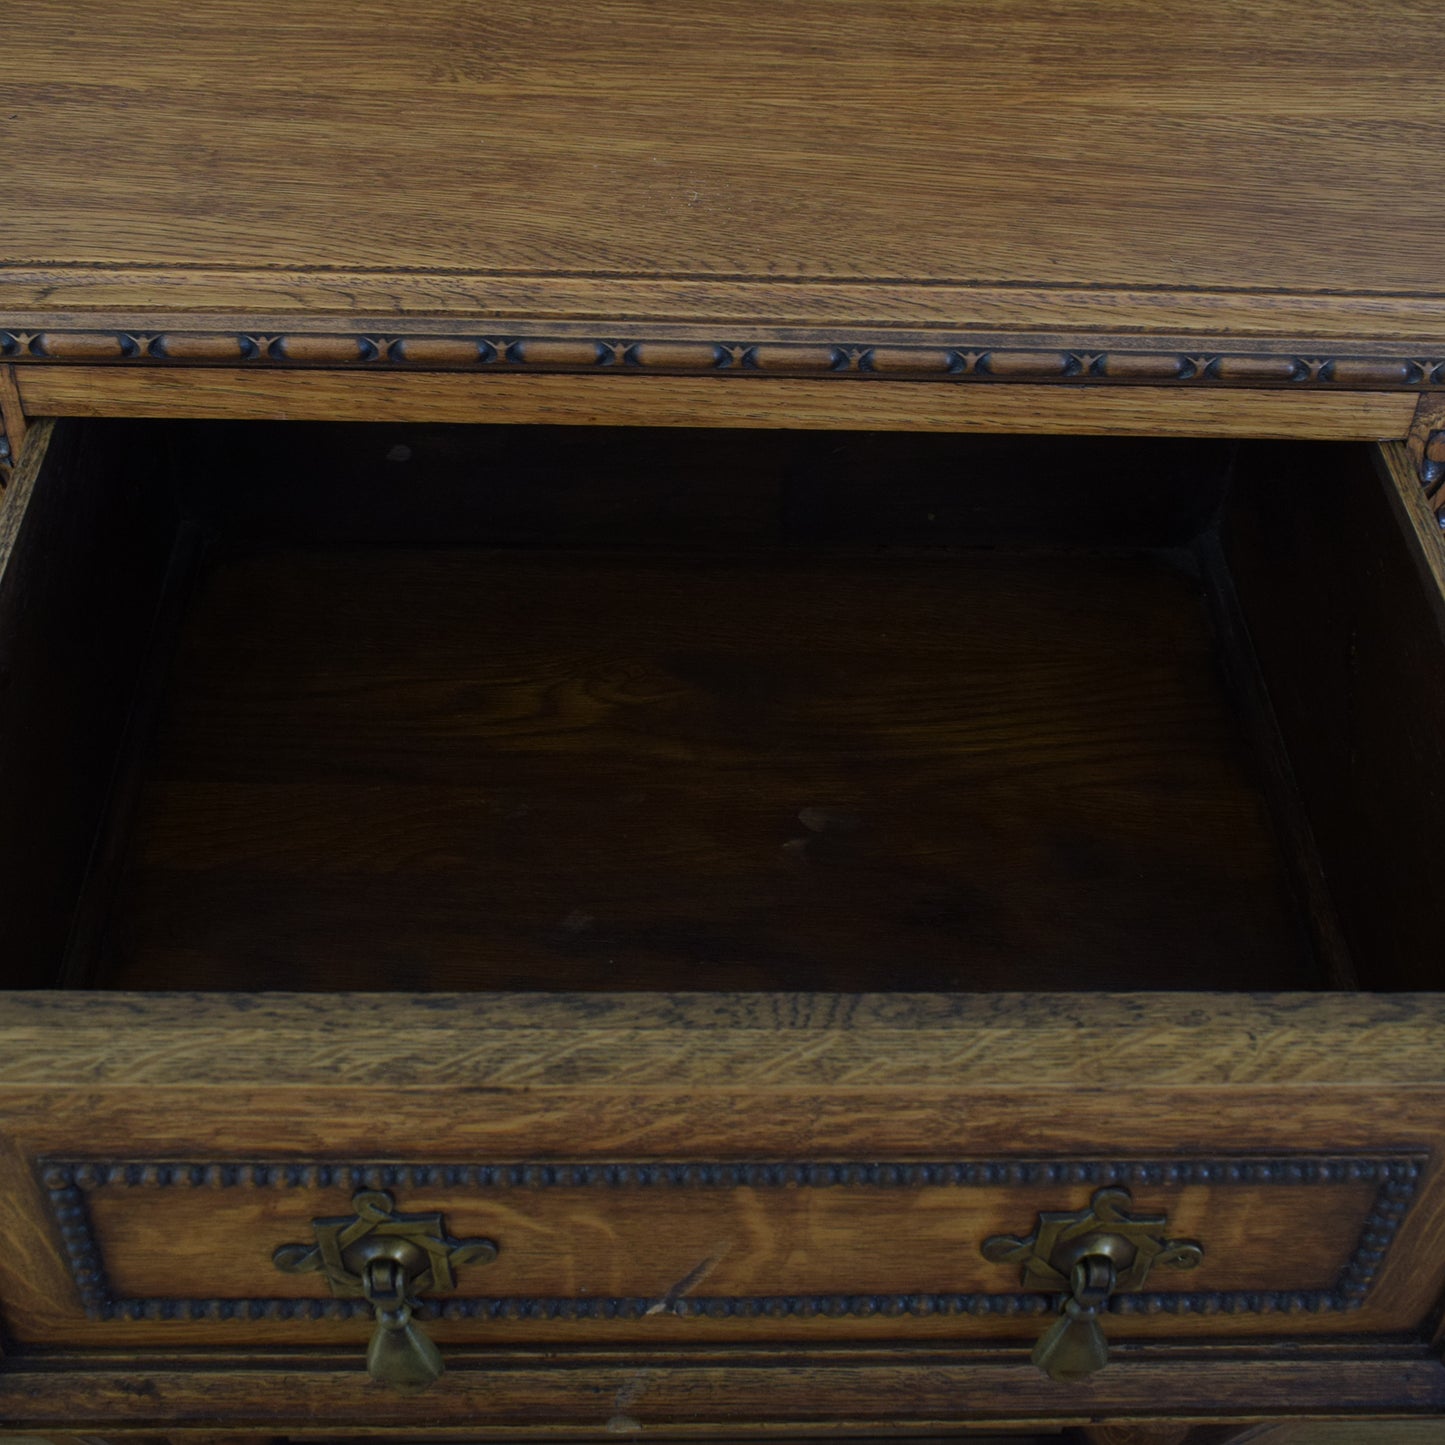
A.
pixel 1394 1175
pixel 978 360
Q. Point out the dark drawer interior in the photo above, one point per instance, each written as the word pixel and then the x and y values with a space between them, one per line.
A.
pixel 385 707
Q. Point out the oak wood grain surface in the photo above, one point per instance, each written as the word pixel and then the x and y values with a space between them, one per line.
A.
pixel 682 401
pixel 237 1078
pixel 1239 158
pixel 669 1243
pixel 1312 1045
pixel 799 172
pixel 519 1392
pixel 304 302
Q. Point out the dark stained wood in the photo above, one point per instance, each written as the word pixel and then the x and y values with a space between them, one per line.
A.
pixel 514 1392
pixel 1381 1432
pixel 396 484
pixel 1135 1434
pixel 1274 769
pixel 1343 601
pixel 1338 1432
pixel 146 697
pixel 957 1435
pixel 83 543
pixel 694 488
pixel 442 768
pixel 1161 1432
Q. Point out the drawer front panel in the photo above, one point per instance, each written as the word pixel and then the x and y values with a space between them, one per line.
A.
pixel 665 1250
pixel 694 1188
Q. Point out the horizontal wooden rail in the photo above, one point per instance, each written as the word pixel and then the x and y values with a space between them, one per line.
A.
pixel 582 400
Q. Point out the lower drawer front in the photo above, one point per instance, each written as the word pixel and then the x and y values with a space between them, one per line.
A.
pixel 612 1251
pixel 761 1203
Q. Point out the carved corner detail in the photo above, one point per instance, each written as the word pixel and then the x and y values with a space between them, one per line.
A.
pixel 12 425
pixel 1426 445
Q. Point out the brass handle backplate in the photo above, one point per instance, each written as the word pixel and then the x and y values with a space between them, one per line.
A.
pixel 1087 1256
pixel 390 1260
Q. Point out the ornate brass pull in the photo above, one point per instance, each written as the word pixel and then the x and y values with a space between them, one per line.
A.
pixel 1088 1256
pixel 390 1260
pixel 1074 1345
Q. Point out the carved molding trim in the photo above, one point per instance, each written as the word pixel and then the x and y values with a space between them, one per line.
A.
pixel 1394 1175
pixel 977 359
pixel 12 426
pixel 1426 445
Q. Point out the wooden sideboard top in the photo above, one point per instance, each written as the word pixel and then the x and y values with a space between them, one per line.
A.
pixel 1263 176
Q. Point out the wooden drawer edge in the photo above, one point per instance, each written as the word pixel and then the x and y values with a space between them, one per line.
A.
pixel 691 401
pixel 784 1390
pixel 84 1040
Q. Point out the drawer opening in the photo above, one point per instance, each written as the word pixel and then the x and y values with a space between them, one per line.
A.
pixel 473 708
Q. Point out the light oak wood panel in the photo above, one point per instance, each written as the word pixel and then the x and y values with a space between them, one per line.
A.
pixel 668 1242
pixel 1249 148
pixel 207 299
pixel 1308 1043
pixel 74 390
pixel 740 1078
pixel 42 1306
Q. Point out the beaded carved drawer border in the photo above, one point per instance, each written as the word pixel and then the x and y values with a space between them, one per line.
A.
pixel 981 358
pixel 1395 1175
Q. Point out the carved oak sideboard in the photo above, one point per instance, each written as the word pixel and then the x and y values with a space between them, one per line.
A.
pixel 721 720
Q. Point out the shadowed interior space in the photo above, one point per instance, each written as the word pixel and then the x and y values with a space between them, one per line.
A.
pixel 460 708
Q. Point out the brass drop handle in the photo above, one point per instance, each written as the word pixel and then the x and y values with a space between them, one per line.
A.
pixel 1074 1345
pixel 400 1354
pixel 1088 1256
pixel 390 1260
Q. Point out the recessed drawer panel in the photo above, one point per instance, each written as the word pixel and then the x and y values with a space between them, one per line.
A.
pixel 678 1250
